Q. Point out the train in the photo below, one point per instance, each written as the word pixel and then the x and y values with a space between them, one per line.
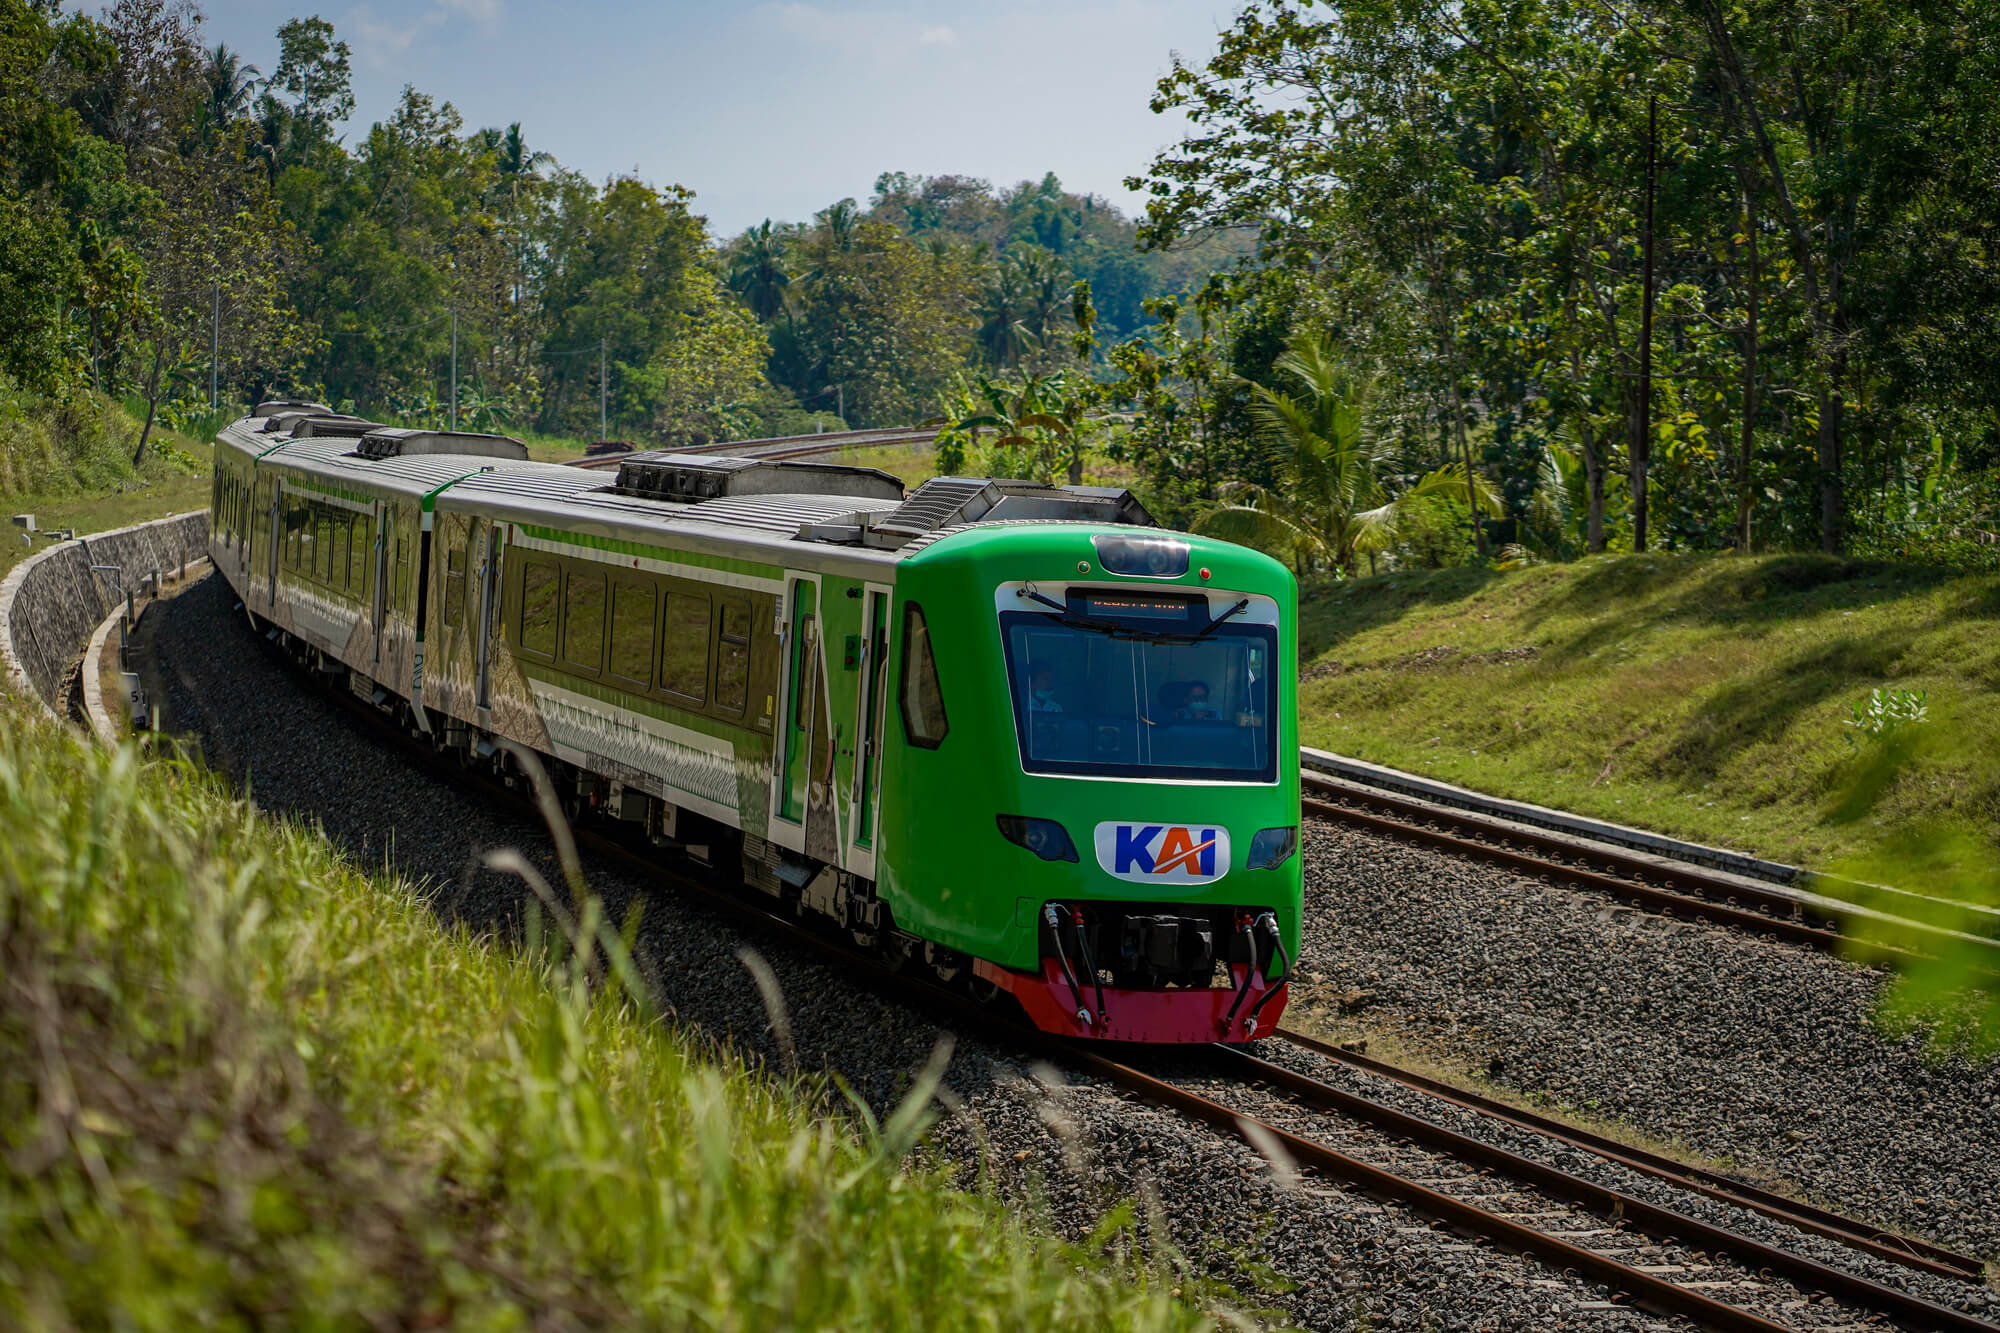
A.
pixel 1015 734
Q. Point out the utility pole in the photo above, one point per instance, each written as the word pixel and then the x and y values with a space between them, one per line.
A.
pixel 214 343
pixel 603 395
pixel 1642 442
pixel 454 370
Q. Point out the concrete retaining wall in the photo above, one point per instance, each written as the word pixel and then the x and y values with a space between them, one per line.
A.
pixel 50 603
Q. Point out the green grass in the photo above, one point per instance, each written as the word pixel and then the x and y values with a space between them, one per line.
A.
pixel 70 465
pixel 248 1085
pixel 1699 695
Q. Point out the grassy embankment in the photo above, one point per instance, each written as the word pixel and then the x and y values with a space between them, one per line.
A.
pixel 70 465
pixel 249 1085
pixel 1699 695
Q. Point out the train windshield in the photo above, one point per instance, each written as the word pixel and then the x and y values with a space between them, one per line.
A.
pixel 1118 698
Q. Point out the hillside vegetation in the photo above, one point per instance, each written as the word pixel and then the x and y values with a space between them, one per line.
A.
pixel 1700 695
pixel 68 461
pixel 249 1086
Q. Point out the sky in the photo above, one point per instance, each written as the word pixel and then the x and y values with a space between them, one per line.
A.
pixel 778 109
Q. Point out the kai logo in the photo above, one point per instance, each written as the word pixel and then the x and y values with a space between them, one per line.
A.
pixel 1163 853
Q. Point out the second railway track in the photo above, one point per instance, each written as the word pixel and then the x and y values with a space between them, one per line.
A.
pixel 1659 883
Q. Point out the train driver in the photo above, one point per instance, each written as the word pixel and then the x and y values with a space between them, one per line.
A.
pixel 1042 689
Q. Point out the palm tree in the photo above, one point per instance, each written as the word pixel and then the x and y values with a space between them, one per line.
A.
pixel 839 221
pixel 759 274
pixel 1003 334
pixel 515 161
pixel 1330 501
pixel 230 84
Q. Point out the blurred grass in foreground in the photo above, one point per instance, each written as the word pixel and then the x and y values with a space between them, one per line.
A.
pixel 248 1086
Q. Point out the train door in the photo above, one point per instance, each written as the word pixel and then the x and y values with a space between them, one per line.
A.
pixel 485 544
pixel 867 749
pixel 802 804
pixel 277 536
pixel 378 610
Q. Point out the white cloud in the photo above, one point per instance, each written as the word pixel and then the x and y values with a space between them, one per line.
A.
pixel 381 41
pixel 486 11
pixel 857 34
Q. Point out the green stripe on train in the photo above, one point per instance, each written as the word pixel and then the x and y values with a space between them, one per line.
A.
pixel 618 546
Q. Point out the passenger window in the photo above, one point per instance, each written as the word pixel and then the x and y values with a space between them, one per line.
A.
pixel 922 700
pixel 337 573
pixel 454 587
pixel 583 621
pixel 632 607
pixel 322 546
pixel 539 583
pixel 400 587
pixel 684 646
pixel 732 657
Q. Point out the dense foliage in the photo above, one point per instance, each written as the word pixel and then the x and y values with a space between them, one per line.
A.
pixel 1463 194
pixel 157 193
pixel 1460 200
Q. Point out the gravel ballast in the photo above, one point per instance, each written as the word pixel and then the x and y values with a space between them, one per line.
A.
pixel 1756 1053
pixel 1336 1259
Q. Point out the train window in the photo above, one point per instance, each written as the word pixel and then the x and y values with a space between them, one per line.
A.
pixel 684 646
pixel 732 657
pixel 454 587
pixel 322 544
pixel 400 587
pixel 632 608
pixel 583 621
pixel 539 584
pixel 922 699
pixel 337 570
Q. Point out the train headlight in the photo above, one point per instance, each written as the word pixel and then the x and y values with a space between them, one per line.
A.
pixel 1044 837
pixel 1272 847
pixel 1149 557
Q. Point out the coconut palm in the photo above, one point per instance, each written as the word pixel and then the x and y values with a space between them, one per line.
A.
pixel 1003 332
pixel 515 160
pixel 759 274
pixel 1331 502
pixel 230 83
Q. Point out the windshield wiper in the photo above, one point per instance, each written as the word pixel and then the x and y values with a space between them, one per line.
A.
pixel 1212 625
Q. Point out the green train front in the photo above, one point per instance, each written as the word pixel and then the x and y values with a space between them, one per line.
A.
pixel 1097 800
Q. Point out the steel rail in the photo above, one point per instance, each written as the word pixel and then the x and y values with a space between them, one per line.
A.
pixel 1651 1219
pixel 1906 1250
pixel 1702 894
pixel 1689 877
pixel 1663 900
pixel 1650 1289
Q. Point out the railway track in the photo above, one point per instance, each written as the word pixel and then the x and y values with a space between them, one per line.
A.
pixel 1649 1256
pixel 1660 884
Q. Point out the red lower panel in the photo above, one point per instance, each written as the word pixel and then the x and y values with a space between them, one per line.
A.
pixel 1138 1015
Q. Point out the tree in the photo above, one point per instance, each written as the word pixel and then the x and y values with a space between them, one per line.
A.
pixel 314 72
pixel 230 84
pixel 758 272
pixel 1332 501
pixel 37 265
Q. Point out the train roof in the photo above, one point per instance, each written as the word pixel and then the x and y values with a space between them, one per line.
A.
pixel 855 519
